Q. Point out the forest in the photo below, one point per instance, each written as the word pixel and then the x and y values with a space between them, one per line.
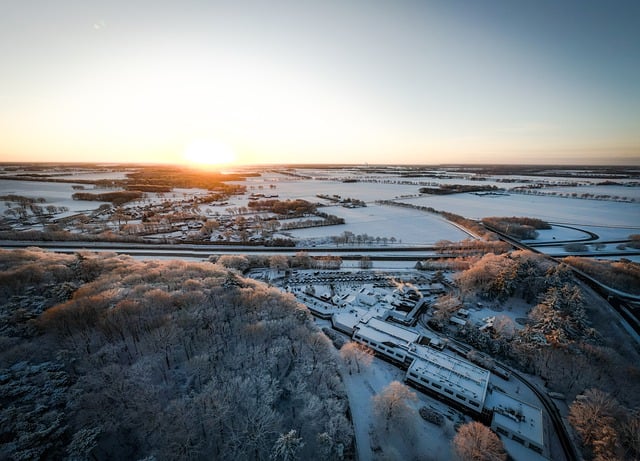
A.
pixel 106 357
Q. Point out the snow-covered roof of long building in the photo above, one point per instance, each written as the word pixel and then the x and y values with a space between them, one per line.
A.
pixel 392 330
pixel 517 416
pixel 460 375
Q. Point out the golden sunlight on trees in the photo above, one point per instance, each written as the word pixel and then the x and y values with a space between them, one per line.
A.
pixel 392 404
pixel 476 442
pixel 596 417
pixel 356 356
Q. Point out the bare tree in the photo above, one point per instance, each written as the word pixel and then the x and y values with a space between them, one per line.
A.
pixel 392 403
pixel 355 356
pixel 476 442
pixel 287 446
pixel 594 416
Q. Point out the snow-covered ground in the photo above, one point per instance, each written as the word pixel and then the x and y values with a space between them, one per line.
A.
pixel 424 440
pixel 407 226
pixel 553 209
pixel 57 194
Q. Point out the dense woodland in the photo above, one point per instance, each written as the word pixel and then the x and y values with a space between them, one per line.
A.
pixel 105 357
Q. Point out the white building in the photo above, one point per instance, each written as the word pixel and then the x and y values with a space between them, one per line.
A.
pixel 451 377
pixel 517 420
pixel 367 295
pixel 390 341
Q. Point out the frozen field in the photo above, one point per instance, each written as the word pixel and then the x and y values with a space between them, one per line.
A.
pixel 407 226
pixel 610 220
pixel 58 194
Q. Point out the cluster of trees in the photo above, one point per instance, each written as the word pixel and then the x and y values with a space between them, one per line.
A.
pixel 622 275
pixel 115 197
pixel 163 360
pixel 446 189
pixel 522 228
pixel 21 207
pixel 536 190
pixel 470 247
pixel 301 260
pixel 327 220
pixel 348 237
pixel 347 202
pixel 446 264
pixel 185 178
pixel 297 207
pixel 606 429
pixel 53 233
pixel 498 277
pixel 567 340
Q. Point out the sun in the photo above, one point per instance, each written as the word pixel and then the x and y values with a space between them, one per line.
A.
pixel 207 152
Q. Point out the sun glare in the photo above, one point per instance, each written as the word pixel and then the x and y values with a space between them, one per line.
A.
pixel 207 153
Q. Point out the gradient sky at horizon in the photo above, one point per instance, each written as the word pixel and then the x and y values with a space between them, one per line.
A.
pixel 420 82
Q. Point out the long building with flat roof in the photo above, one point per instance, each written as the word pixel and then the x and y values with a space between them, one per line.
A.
pixel 456 379
pixel 517 420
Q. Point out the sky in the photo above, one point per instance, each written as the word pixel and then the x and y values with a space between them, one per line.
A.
pixel 378 82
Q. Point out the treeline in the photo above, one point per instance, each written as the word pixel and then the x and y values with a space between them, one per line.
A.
pixel 522 228
pixel 297 207
pixel 446 189
pixel 105 357
pixel 301 260
pixel 116 197
pixel 623 275
pixel 469 247
pixel 21 200
pixel 53 233
pixel 173 177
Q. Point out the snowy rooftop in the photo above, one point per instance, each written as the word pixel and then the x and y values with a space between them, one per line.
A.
pixel 392 330
pixel 517 416
pixel 463 376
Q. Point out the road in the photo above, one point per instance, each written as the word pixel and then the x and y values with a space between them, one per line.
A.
pixel 185 250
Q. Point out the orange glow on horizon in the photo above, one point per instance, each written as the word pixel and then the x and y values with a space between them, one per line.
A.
pixel 207 154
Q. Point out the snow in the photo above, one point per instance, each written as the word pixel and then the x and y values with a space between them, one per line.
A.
pixel 553 209
pixel 429 438
pixel 406 225
pixel 57 194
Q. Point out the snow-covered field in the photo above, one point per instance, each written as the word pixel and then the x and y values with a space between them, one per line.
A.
pixel 57 194
pixel 407 226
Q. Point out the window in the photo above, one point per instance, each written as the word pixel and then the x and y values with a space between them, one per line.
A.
pixel 448 391
pixel 536 449
pixel 517 439
pixel 500 430
pixel 461 397
pixel 424 380
pixel 475 404
pixel 437 386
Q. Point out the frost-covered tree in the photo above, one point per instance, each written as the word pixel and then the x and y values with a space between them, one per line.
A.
pixel 594 416
pixel 392 404
pixel 356 356
pixel 476 442
pixel 287 446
